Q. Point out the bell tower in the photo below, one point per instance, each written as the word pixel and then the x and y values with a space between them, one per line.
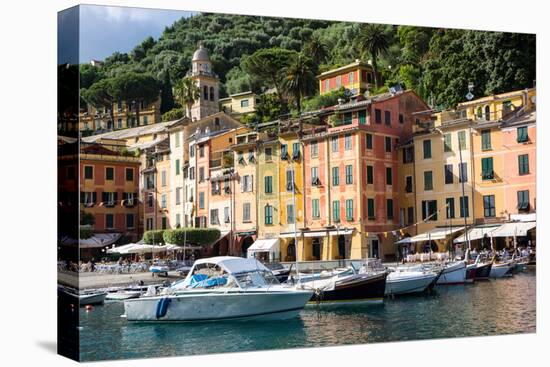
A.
pixel 208 83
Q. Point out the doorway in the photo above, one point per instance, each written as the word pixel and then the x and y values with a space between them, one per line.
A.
pixel 374 249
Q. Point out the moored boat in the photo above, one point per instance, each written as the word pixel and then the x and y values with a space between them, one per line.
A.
pixel 453 273
pixel 122 295
pixel 499 270
pixel 483 270
pixel 221 288
pixel 401 281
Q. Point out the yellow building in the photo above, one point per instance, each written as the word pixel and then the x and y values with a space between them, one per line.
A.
pixel 239 103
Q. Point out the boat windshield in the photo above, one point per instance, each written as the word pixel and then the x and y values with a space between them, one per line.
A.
pixel 258 278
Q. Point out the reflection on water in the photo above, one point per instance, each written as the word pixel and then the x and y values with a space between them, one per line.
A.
pixel 501 306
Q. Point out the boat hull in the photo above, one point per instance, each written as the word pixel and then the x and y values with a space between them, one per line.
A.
pixel 501 270
pixel 397 285
pixel 359 288
pixel 483 271
pixel 453 274
pixel 91 299
pixel 210 306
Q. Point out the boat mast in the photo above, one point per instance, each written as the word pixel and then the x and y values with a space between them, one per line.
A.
pixel 295 220
pixel 461 202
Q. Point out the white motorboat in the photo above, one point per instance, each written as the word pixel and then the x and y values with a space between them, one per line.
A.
pixel 221 288
pixel 95 298
pixel 123 294
pixel 453 273
pixel 500 270
pixel 403 281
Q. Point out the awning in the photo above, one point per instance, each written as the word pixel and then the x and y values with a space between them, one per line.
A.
pixel 434 234
pixel 343 231
pixel 315 234
pixel 476 233
pixel 513 229
pixel 264 245
pixel 99 240
pixel 289 235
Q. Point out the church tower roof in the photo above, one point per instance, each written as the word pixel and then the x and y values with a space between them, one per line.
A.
pixel 201 54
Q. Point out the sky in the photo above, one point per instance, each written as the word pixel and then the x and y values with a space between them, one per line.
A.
pixel 106 29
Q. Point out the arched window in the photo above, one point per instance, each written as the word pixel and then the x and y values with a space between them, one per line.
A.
pixel 487 113
pixel 479 112
pixel 212 93
pixel 205 92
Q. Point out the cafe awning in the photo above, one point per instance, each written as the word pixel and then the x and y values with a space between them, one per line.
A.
pixel 434 234
pixel 264 245
pixel 476 233
pixel 513 229
pixel 343 231
pixel 315 234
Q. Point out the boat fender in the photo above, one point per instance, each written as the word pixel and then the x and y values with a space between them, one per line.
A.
pixel 162 307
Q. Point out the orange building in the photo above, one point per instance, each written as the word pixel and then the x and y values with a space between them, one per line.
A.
pixel 356 77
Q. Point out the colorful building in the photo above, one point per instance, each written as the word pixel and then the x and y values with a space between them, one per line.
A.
pixel 240 103
pixel 356 77
pixel 109 186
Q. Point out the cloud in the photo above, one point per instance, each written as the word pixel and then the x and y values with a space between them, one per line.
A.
pixel 121 14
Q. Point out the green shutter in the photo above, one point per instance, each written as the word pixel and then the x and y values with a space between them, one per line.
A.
pixel 370 208
pixel 486 139
pixel 447 143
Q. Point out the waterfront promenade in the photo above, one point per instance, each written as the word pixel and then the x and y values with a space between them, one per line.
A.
pixel 98 280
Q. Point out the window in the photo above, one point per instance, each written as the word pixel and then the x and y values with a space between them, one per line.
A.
pixel 489 206
pixel 429 210
pixel 178 220
pixel 145 120
pixel 449 178
pixel 523 136
pixel 226 217
pixel 450 207
pixel 177 167
pixel 149 224
pixel 387 117
pixel 178 195
pixel 447 143
pixel 377 116
pixel 191 173
pixel 109 221
pixel 464 210
pixel 205 92
pixel 347 142
pixel 349 174
pixel 268 184
pixel 177 139
pixel 150 200
pixel 129 220
pixel 314 175
pixel 370 209
pixel 164 223
pixel 334 144
pixel 268 214
pixel 427 145
pixel 388 144
pixel 284 151
pixel 246 212
pixel 408 155
pixel 410 215
pixel 212 94
pixel 246 183
pixel 370 175
pixel 487 172
pixel 523 200
pixel 462 140
pixel 201 200
pixel 347 118
pixel 314 149
pixel 129 174
pixel 351 77
pixel 244 103
pixel 487 113
pixel 428 180
pixel 338 81
pixel 389 176
pixel 163 178
pixel 463 172
pixel 336 210
pixel 268 154
pixel 335 176
pixel 315 212
pixel 201 174
pixel 192 151
pixel 408 184
pixel 109 198
pixel 389 208
pixel 290 213
pixel 523 164
pixel 349 210
pixel 362 115
pixel 214 218
pixel 289 180
pixel 119 123
pixel 369 141
pixel 295 150
pixel 401 118
pixel 163 201
pixel 485 139
pixel 88 172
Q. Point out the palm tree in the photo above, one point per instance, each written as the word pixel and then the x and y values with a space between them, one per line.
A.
pixel 186 93
pixel 317 50
pixel 299 79
pixel 374 40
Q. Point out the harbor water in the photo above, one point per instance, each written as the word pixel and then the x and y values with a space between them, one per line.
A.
pixel 495 307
